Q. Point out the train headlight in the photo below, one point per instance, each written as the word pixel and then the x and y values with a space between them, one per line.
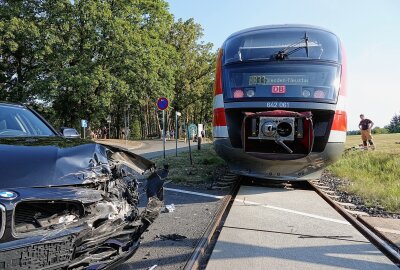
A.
pixel 306 93
pixel 319 94
pixel 238 93
pixel 250 92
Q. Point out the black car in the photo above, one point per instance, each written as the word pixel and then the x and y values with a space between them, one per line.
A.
pixel 69 203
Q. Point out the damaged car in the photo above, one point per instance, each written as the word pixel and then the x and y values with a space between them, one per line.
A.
pixel 69 203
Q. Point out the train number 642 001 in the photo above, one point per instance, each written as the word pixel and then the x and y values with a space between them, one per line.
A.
pixel 275 104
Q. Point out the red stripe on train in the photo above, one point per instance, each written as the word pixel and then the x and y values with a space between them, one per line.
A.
pixel 219 118
pixel 340 121
pixel 218 75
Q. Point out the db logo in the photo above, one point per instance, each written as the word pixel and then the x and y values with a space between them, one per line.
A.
pixel 278 89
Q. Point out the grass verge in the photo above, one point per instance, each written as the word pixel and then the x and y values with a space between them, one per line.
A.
pixel 373 175
pixel 205 164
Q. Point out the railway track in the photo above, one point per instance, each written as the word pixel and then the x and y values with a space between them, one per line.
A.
pixel 384 245
pixel 204 247
pixel 206 244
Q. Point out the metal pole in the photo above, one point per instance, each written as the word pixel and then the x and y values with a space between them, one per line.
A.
pixel 163 131
pixel 129 127
pixel 126 141
pixel 176 134
pixel 84 134
pixel 190 149
pixel 109 130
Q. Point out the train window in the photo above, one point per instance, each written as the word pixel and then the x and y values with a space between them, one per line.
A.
pixel 265 44
pixel 283 80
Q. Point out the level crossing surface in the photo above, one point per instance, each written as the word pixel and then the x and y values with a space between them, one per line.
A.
pixel 277 228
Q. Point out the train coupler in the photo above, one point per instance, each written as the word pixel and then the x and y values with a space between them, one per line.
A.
pixel 278 132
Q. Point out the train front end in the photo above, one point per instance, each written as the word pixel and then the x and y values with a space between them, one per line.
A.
pixel 279 104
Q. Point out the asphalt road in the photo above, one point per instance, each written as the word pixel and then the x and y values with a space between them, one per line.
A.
pixel 154 148
pixel 190 219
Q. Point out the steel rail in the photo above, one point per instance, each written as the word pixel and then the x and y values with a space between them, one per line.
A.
pixel 203 245
pixel 379 234
pixel 381 244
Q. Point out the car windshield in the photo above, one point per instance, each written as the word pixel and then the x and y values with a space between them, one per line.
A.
pixel 21 122
pixel 297 44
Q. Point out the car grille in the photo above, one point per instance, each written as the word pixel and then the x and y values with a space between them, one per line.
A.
pixel 32 215
pixel 2 220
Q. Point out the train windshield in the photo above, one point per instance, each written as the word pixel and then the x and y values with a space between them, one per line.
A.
pixel 291 44
pixel 283 80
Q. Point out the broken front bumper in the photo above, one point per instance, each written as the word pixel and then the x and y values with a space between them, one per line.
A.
pixel 91 226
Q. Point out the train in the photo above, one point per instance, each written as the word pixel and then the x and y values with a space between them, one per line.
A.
pixel 279 108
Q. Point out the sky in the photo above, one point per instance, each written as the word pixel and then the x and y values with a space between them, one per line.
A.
pixel 369 31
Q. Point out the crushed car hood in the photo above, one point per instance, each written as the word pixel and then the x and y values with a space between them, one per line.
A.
pixel 56 161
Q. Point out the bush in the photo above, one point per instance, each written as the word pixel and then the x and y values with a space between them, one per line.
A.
pixel 135 134
pixel 378 130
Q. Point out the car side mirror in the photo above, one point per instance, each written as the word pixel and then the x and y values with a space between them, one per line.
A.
pixel 70 133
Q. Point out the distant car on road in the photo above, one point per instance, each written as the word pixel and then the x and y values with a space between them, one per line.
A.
pixel 68 203
pixel 70 132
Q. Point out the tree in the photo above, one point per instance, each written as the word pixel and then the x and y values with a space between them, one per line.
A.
pixel 378 130
pixel 194 69
pixel 353 132
pixel 87 59
pixel 394 125
pixel 23 50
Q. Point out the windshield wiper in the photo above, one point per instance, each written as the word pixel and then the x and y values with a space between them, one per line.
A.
pixel 283 54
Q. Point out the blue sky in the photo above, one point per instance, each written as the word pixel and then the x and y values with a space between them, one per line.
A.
pixel 369 30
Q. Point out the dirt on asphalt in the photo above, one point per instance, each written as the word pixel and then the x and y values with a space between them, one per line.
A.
pixel 131 145
pixel 171 239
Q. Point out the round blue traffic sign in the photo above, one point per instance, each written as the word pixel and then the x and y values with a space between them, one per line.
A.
pixel 162 103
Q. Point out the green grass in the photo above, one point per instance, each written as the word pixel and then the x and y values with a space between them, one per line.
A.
pixel 373 175
pixel 205 164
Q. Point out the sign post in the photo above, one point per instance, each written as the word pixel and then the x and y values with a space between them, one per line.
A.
pixel 162 104
pixel 84 125
pixel 109 126
pixel 189 138
pixel 176 132
pixel 128 130
pixel 125 127
pixel 163 132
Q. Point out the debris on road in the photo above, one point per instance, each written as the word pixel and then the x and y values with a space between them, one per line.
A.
pixel 172 255
pixel 172 237
pixel 169 208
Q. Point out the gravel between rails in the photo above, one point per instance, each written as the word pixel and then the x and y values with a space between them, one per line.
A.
pixel 190 219
pixel 334 183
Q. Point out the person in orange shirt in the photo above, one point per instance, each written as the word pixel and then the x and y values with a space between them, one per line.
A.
pixel 365 127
